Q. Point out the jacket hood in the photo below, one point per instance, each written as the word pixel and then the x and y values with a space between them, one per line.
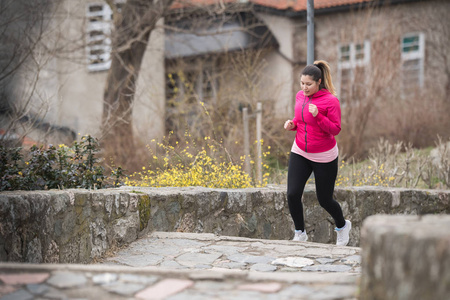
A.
pixel 319 93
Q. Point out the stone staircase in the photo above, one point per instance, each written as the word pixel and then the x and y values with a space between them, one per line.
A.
pixel 46 235
pixel 196 266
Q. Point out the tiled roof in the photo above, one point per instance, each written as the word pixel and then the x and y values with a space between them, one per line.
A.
pixel 299 5
pixel 295 5
pixel 25 141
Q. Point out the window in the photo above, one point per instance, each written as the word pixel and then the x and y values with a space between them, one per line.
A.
pixel 98 36
pixel 412 47
pixel 353 60
pixel 99 17
pixel 188 93
pixel 197 85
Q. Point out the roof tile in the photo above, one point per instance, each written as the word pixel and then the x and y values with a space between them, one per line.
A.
pixel 300 5
pixel 296 5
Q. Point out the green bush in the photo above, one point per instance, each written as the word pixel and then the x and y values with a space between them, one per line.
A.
pixel 53 167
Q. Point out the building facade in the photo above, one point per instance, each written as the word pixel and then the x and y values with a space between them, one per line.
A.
pixel 374 51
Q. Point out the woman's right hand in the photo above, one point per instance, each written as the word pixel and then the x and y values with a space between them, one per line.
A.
pixel 289 125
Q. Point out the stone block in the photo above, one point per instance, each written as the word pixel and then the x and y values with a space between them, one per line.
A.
pixel 405 257
pixel 164 289
pixel 217 199
pixel 99 240
pixel 20 210
pixel 237 202
pixel 51 253
pixel 203 203
pixel 125 230
pixel 5 204
pixel 21 278
pixel 34 251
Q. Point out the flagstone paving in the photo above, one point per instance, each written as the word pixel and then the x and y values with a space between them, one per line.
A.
pixel 195 267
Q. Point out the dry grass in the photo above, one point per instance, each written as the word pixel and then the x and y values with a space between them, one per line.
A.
pixel 399 165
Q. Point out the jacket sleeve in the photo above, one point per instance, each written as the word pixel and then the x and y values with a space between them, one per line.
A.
pixel 331 123
pixel 294 120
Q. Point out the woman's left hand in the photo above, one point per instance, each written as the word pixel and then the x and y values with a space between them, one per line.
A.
pixel 313 110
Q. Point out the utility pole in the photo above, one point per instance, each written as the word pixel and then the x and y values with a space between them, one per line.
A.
pixel 310 32
pixel 259 142
pixel 245 117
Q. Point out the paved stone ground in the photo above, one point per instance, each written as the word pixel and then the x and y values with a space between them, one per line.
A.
pixel 196 267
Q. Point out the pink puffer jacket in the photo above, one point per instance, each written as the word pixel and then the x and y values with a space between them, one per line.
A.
pixel 316 134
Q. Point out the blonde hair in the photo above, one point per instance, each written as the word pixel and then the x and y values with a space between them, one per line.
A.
pixel 321 70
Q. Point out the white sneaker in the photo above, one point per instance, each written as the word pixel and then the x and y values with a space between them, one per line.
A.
pixel 343 234
pixel 300 236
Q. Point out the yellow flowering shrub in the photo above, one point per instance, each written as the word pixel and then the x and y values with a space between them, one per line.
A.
pixel 187 164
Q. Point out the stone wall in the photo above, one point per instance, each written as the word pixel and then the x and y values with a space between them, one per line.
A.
pixel 75 226
pixel 406 257
pixel 71 226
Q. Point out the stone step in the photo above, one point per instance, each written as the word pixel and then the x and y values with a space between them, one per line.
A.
pixel 202 251
pixel 165 265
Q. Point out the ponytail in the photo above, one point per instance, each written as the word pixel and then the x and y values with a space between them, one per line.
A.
pixel 321 70
pixel 326 75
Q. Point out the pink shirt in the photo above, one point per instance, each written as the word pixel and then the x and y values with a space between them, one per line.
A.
pixel 321 157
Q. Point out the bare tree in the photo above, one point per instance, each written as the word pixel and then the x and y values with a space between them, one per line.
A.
pixel 132 29
pixel 22 26
pixel 29 41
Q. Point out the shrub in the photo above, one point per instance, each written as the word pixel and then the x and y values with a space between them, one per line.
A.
pixel 52 167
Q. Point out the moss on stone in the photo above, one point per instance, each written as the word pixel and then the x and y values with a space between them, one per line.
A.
pixel 144 211
pixel 137 192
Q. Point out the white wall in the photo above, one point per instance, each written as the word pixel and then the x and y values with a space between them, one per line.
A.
pixel 75 95
pixel 79 103
pixel 279 71
pixel 150 99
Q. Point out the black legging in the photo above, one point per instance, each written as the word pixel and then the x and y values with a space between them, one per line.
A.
pixel 325 174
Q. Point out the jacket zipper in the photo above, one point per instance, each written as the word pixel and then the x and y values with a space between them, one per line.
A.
pixel 303 119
